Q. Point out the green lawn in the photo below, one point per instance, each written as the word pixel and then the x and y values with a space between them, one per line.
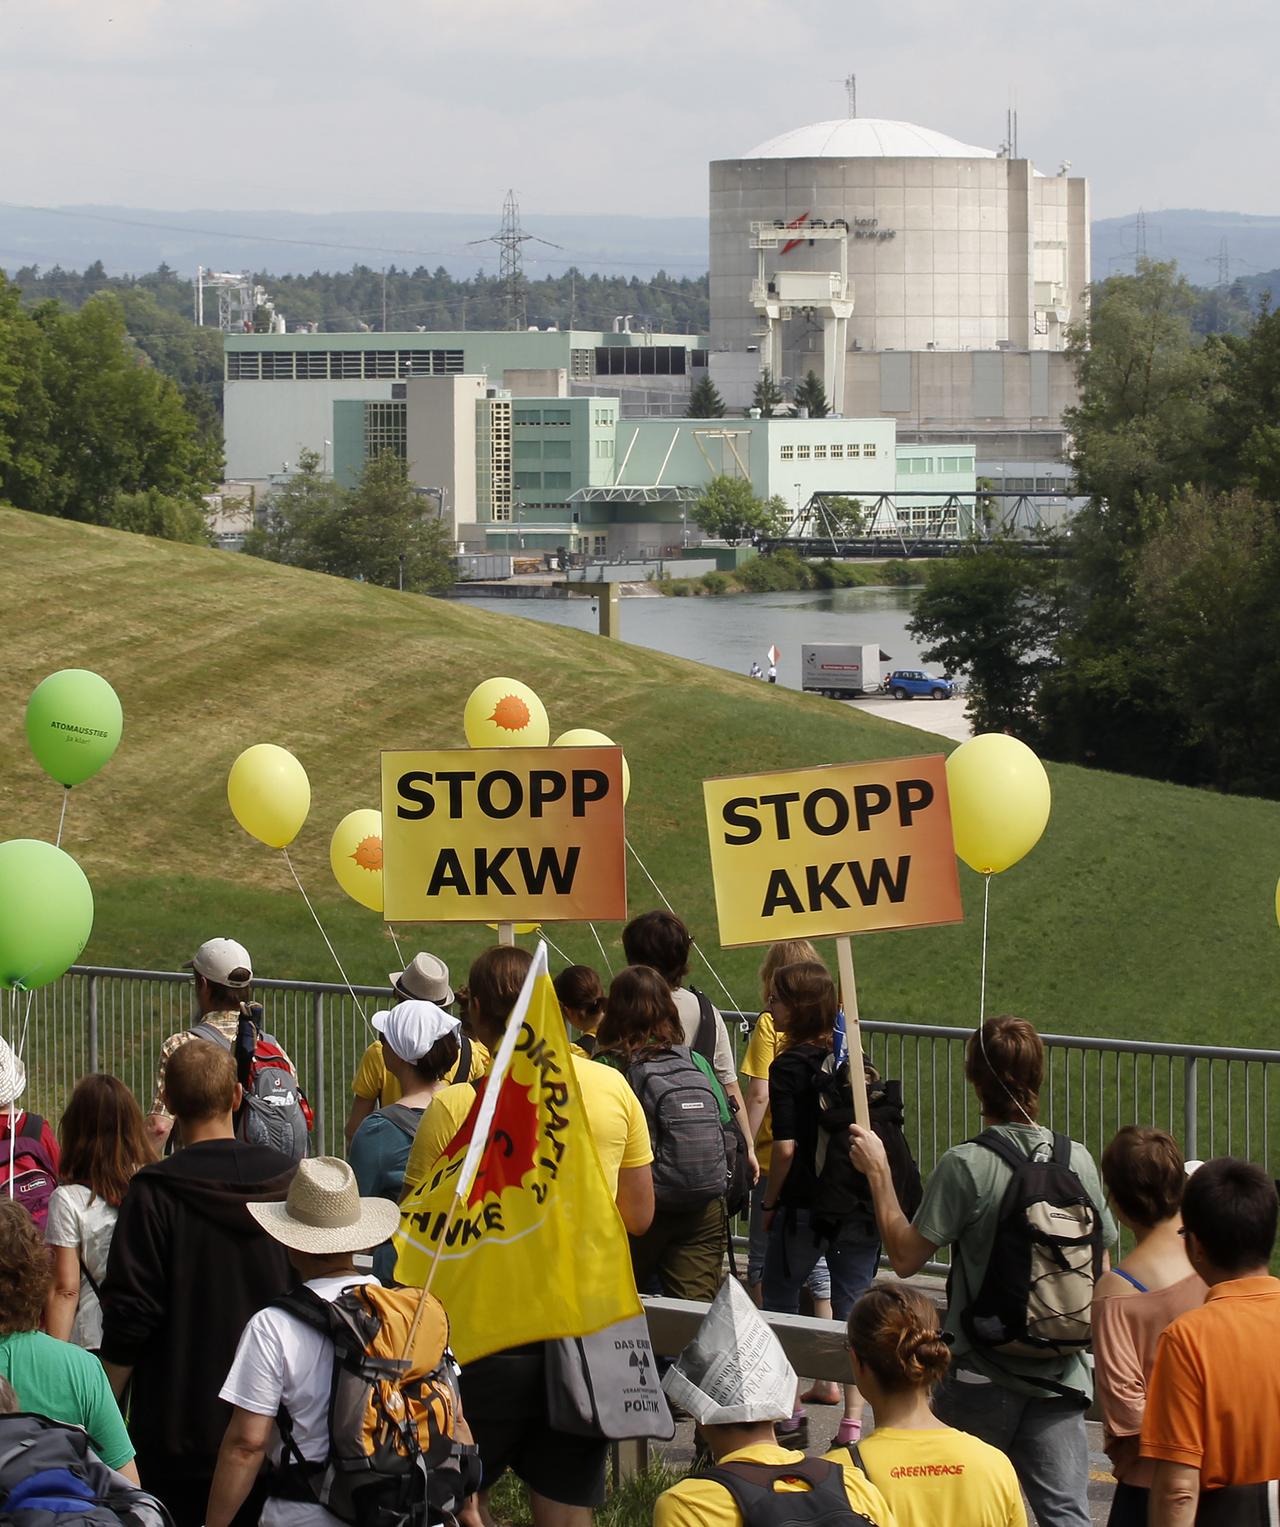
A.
pixel 1146 911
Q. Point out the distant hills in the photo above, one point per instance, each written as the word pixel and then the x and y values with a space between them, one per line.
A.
pixel 132 240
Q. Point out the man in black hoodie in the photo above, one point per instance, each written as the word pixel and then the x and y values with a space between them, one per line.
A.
pixel 188 1266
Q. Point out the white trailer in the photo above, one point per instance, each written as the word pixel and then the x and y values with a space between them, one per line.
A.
pixel 841 669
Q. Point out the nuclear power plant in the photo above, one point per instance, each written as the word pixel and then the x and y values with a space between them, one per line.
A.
pixel 921 278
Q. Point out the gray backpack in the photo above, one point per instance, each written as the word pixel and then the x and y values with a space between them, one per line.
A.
pixel 690 1163
pixel 51 1477
pixel 274 1111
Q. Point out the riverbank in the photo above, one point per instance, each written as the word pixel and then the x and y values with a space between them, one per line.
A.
pixel 785 572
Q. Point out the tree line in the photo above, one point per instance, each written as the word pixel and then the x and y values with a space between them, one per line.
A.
pixel 1151 643
pixel 91 427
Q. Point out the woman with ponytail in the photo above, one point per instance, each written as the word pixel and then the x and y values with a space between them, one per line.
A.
pixel 930 1474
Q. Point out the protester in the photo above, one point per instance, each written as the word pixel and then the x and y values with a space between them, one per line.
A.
pixel 581 999
pixel 104 1142
pixel 8 1399
pixel 223 976
pixel 1133 1303
pixel 736 1382
pixel 640 1034
pixel 424 979
pixel 29 1156
pixel 762 1050
pixel 1030 1407
pixel 284 1363
pixel 420 1043
pixel 804 1005
pixel 661 941
pixel 505 1394
pixel 1210 1421
pixel 188 1266
pixel 53 1378
pixel 931 1474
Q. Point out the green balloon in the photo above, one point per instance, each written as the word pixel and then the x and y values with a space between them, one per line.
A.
pixel 74 722
pixel 46 913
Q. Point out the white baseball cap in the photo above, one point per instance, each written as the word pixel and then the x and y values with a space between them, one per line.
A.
pixel 222 961
pixel 412 1027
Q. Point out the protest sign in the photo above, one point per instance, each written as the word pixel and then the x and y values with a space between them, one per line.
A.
pixel 837 849
pixel 503 835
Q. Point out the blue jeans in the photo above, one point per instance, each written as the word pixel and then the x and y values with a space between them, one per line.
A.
pixel 1044 1439
pixel 819 1280
pixel 794 1251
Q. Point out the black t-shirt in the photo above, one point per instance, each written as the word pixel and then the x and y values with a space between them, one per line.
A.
pixel 793 1101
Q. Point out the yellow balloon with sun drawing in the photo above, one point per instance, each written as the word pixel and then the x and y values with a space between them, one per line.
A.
pixel 504 713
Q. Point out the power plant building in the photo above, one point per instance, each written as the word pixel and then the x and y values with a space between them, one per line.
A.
pixel 923 279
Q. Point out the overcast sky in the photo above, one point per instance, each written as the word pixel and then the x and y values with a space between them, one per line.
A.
pixel 582 105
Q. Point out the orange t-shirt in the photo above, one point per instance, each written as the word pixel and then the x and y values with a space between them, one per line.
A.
pixel 1214 1398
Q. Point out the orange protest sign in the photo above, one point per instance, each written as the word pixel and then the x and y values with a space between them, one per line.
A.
pixel 503 835
pixel 842 848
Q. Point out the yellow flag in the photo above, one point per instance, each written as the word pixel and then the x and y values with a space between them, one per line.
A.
pixel 533 1246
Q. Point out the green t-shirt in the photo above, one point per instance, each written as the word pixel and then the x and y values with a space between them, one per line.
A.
pixel 961 1209
pixel 64 1382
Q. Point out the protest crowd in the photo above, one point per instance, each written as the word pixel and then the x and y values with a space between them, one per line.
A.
pixel 203 1322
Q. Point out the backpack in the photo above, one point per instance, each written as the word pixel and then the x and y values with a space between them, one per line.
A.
pixel 34 1174
pixel 761 1504
pixel 393 1454
pixel 690 1162
pixel 50 1476
pixel 1037 1289
pixel 274 1112
pixel 704 1037
pixel 843 1192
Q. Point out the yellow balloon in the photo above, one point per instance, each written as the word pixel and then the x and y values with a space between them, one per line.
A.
pixel 999 801
pixel 355 857
pixel 584 737
pixel 504 713
pixel 269 794
pixel 1278 901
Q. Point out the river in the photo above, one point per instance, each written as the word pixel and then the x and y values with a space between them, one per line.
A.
pixel 733 629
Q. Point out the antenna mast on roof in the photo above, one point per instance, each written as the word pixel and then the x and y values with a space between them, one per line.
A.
pixel 851 86
pixel 509 238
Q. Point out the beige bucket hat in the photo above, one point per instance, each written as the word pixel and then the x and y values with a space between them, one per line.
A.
pixel 324 1212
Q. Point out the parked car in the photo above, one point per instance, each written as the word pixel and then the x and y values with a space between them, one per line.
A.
pixel 915 684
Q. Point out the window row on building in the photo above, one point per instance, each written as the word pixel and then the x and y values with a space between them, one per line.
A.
pixel 386 428
pixel 544 417
pixel 339 365
pixel 907 465
pixel 647 360
pixel 542 480
pixel 832 451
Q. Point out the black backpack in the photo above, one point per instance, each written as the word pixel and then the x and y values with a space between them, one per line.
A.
pixel 51 1477
pixel 690 1159
pixel 1036 1293
pixel 843 1192
pixel 754 1487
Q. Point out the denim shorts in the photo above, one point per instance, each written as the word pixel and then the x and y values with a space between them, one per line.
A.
pixel 794 1250
pixel 819 1280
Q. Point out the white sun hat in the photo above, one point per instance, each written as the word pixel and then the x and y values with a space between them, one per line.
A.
pixel 13 1076
pixel 324 1212
pixel 412 1027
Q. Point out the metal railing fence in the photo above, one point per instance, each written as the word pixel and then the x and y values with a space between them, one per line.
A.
pixel 1213 1099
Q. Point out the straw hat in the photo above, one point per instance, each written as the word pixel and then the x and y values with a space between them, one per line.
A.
pixel 425 977
pixel 13 1076
pixel 324 1212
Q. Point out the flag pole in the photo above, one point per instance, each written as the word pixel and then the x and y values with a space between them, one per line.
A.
pixel 853 1030
pixel 506 934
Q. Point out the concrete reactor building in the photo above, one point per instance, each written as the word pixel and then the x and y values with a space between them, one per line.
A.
pixel 921 278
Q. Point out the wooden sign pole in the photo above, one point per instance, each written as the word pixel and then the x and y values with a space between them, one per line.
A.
pixel 853 1030
pixel 507 934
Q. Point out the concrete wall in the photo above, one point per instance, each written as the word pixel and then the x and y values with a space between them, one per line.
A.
pixel 268 423
pixel 962 390
pixel 442 439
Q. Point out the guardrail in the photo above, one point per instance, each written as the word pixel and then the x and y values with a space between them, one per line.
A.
pixel 1214 1100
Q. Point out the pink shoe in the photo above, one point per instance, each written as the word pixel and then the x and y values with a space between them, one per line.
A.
pixel 849 1430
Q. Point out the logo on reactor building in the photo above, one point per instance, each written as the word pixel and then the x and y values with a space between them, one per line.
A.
pixel 860 228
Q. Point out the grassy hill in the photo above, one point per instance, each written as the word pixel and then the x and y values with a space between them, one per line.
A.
pixel 1146 911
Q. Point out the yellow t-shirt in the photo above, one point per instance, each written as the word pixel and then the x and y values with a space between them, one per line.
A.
pixel 697 1502
pixel 940 1478
pixel 762 1051
pixel 375 1083
pixel 614 1116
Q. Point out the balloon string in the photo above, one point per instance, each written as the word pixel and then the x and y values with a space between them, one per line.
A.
pixel 13 1012
pixel 982 1007
pixel 325 936
pixel 693 941
pixel 62 815
pixel 600 947
pixel 396 942
pixel 555 948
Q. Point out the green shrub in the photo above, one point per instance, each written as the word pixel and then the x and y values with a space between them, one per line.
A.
pixel 783 570
pixel 680 588
pixel 716 583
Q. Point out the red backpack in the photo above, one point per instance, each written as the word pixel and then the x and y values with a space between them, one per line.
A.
pixel 34 1174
